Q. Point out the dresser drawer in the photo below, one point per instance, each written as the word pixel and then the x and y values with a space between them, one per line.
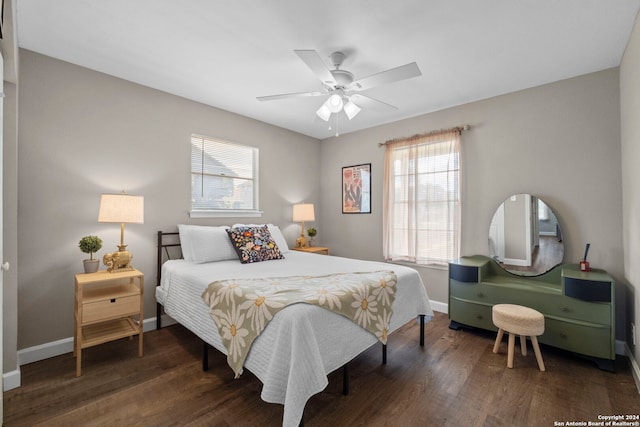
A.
pixel 473 291
pixel 110 308
pixel 471 314
pixel 571 308
pixel 547 303
pixel 591 340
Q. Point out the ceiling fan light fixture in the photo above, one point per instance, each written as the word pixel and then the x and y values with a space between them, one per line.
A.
pixel 324 112
pixel 334 103
pixel 351 109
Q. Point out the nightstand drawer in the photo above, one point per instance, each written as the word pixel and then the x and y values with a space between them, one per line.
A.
pixel 110 309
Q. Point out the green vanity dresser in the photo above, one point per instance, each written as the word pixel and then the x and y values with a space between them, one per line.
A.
pixel 578 307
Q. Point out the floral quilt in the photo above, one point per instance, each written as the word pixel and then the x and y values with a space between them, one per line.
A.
pixel 242 308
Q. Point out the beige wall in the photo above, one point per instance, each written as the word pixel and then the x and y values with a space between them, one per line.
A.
pixel 560 142
pixel 630 135
pixel 82 133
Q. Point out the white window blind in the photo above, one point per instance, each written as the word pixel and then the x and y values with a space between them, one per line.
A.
pixel 224 176
pixel 422 199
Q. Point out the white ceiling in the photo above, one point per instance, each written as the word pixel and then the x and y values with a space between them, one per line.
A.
pixel 226 53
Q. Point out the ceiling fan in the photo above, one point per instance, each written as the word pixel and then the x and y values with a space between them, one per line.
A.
pixel 342 87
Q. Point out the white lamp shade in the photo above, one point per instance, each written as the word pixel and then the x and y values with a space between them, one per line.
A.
pixel 123 208
pixel 303 212
pixel 324 113
pixel 351 110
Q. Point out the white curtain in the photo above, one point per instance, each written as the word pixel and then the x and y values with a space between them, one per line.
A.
pixel 421 217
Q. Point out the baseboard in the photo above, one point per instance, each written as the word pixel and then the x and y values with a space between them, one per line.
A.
pixel 45 351
pixel 11 380
pixel 56 348
pixel 516 261
pixel 635 369
pixel 440 307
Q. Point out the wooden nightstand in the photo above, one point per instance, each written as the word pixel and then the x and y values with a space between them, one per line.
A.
pixel 104 305
pixel 313 250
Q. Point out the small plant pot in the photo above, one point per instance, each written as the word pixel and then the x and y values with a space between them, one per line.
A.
pixel 91 265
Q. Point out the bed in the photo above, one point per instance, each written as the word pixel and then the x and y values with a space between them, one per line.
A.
pixel 299 347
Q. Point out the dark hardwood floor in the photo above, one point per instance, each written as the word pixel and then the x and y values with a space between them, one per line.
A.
pixel 548 253
pixel 455 380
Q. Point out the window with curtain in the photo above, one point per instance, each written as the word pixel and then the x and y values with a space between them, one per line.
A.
pixel 422 199
pixel 224 178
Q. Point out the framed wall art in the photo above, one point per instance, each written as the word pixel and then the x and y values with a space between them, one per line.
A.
pixel 356 189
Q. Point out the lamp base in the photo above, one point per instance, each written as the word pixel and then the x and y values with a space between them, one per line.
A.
pixel 301 242
pixel 118 261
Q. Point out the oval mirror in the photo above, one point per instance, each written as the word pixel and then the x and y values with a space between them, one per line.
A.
pixel 525 236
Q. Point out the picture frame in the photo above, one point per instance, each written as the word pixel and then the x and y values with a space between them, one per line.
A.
pixel 356 189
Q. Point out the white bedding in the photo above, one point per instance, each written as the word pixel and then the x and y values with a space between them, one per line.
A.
pixel 299 348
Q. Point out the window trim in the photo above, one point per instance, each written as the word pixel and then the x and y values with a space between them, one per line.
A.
pixel 229 213
pixel 226 213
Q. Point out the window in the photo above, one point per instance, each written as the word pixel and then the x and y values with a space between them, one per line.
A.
pixel 224 178
pixel 422 199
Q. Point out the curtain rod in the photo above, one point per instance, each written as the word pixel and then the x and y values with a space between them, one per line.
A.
pixel 459 129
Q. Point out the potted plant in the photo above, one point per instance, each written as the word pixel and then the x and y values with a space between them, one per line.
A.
pixel 89 245
pixel 312 233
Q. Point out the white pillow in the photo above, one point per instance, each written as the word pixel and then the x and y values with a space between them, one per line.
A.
pixel 276 234
pixel 202 244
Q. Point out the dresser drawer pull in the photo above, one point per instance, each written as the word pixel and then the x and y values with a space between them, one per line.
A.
pixel 565 309
pixel 479 316
pixel 563 334
pixel 480 294
pixel 113 300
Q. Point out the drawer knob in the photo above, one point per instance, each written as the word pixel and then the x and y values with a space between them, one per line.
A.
pixel 480 294
pixel 113 300
pixel 478 316
pixel 563 334
pixel 564 308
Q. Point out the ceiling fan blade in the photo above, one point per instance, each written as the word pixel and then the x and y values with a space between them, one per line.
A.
pixel 317 65
pixel 389 76
pixel 365 101
pixel 289 95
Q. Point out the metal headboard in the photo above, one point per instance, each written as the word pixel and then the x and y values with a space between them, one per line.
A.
pixel 166 241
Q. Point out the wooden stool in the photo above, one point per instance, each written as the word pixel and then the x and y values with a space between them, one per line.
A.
pixel 518 320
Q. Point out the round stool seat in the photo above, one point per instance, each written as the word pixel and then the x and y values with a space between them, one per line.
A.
pixel 518 320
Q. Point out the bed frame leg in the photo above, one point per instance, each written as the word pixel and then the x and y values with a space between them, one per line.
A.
pixel 205 356
pixel 422 330
pixel 384 354
pixel 158 316
pixel 345 379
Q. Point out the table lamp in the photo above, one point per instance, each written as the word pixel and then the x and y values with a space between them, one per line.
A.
pixel 125 209
pixel 301 213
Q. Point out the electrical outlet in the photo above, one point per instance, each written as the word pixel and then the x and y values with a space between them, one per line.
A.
pixel 633 334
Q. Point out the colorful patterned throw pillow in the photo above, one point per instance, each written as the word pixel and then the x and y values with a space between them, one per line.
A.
pixel 254 244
